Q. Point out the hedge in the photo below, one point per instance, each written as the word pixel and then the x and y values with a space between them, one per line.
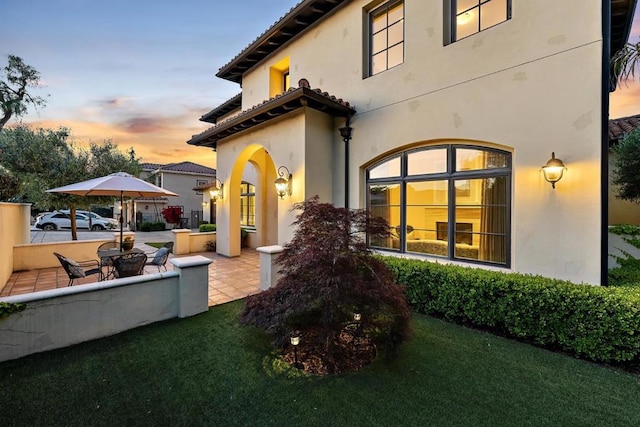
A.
pixel 152 226
pixel 204 228
pixel 598 323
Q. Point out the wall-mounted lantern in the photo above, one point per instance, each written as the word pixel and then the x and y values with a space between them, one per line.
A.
pixel 283 183
pixel 553 170
pixel 217 191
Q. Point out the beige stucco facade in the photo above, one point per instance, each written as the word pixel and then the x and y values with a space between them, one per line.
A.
pixel 529 86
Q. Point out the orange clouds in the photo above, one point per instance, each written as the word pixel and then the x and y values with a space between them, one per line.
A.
pixel 625 101
pixel 155 140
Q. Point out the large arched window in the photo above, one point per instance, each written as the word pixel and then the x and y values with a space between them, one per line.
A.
pixel 450 201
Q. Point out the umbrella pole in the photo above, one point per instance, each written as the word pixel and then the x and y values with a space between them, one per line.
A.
pixel 121 219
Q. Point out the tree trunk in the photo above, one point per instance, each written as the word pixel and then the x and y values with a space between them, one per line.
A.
pixel 74 229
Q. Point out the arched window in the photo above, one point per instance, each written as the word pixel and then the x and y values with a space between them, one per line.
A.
pixel 451 201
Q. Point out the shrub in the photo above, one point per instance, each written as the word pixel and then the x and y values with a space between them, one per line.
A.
pixel 205 228
pixel 328 274
pixel 173 215
pixel 152 226
pixel 211 245
pixel 602 324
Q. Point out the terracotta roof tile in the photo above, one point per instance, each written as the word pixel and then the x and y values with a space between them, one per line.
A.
pixel 296 97
pixel 618 128
pixel 187 167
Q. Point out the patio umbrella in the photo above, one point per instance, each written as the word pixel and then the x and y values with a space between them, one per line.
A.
pixel 116 184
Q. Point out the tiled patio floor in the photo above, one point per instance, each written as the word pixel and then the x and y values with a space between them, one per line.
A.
pixel 229 278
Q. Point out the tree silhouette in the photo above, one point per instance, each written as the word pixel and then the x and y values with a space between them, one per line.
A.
pixel 15 80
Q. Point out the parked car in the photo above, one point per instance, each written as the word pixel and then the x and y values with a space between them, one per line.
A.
pixel 95 218
pixel 58 220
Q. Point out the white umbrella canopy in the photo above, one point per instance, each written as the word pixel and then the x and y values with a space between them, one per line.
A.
pixel 116 184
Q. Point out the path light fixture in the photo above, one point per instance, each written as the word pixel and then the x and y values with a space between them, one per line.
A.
pixel 553 170
pixel 295 341
pixel 357 317
pixel 283 183
pixel 217 191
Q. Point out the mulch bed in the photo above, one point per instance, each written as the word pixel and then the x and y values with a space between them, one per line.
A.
pixel 353 351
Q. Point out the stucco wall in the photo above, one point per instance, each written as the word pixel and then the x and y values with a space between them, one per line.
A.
pixel 14 230
pixel 62 317
pixel 530 86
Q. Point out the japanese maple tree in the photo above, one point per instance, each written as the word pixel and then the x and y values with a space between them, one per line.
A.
pixel 328 274
pixel 172 214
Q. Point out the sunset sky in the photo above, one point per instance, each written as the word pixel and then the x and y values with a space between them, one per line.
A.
pixel 141 72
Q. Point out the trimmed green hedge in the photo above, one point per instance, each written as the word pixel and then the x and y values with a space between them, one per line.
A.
pixel 152 226
pixel 599 323
pixel 205 228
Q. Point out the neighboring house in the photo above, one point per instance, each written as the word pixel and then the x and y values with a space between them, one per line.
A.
pixel 436 115
pixel 621 211
pixel 181 178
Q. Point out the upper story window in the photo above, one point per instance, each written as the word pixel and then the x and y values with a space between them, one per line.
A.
pixel 286 81
pixel 468 17
pixel 279 81
pixel 386 37
pixel 451 201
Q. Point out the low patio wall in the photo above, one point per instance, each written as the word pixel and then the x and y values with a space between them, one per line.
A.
pixel 62 317
pixel 34 256
pixel 14 229
pixel 186 242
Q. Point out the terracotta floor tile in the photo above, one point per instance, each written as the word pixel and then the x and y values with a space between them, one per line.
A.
pixel 229 278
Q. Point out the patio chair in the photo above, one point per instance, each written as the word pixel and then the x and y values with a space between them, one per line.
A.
pixel 107 261
pixel 131 264
pixel 76 269
pixel 160 257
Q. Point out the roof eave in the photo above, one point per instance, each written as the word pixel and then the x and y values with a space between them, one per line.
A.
pixel 299 19
pixel 284 104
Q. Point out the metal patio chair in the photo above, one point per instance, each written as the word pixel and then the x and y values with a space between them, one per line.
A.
pixel 161 256
pixel 131 264
pixel 76 269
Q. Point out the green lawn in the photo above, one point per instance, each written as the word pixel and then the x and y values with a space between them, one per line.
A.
pixel 207 370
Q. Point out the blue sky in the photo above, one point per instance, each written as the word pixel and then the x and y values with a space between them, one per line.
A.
pixel 142 72
pixel 138 72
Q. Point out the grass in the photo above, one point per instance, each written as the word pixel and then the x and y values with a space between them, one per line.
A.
pixel 156 244
pixel 208 370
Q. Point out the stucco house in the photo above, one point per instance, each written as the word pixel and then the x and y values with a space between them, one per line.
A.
pixel 436 115
pixel 181 178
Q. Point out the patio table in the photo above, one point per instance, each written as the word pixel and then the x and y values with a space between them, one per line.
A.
pixel 111 255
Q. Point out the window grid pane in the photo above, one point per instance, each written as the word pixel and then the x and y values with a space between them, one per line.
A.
pixel 472 223
pixel 473 16
pixel 386 38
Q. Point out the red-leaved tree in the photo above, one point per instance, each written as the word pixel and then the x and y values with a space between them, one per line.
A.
pixel 328 274
pixel 172 215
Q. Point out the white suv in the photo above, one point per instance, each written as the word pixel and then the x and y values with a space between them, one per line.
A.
pixel 95 218
pixel 58 220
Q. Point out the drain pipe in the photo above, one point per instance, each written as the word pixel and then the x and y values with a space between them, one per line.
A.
pixel 345 133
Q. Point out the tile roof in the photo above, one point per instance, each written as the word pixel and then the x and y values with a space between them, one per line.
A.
pixel 223 109
pixel 618 128
pixel 187 167
pixel 293 23
pixel 291 100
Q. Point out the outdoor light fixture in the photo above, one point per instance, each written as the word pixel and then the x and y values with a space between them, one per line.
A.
pixel 283 183
pixel 217 192
pixel 295 341
pixel 553 170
